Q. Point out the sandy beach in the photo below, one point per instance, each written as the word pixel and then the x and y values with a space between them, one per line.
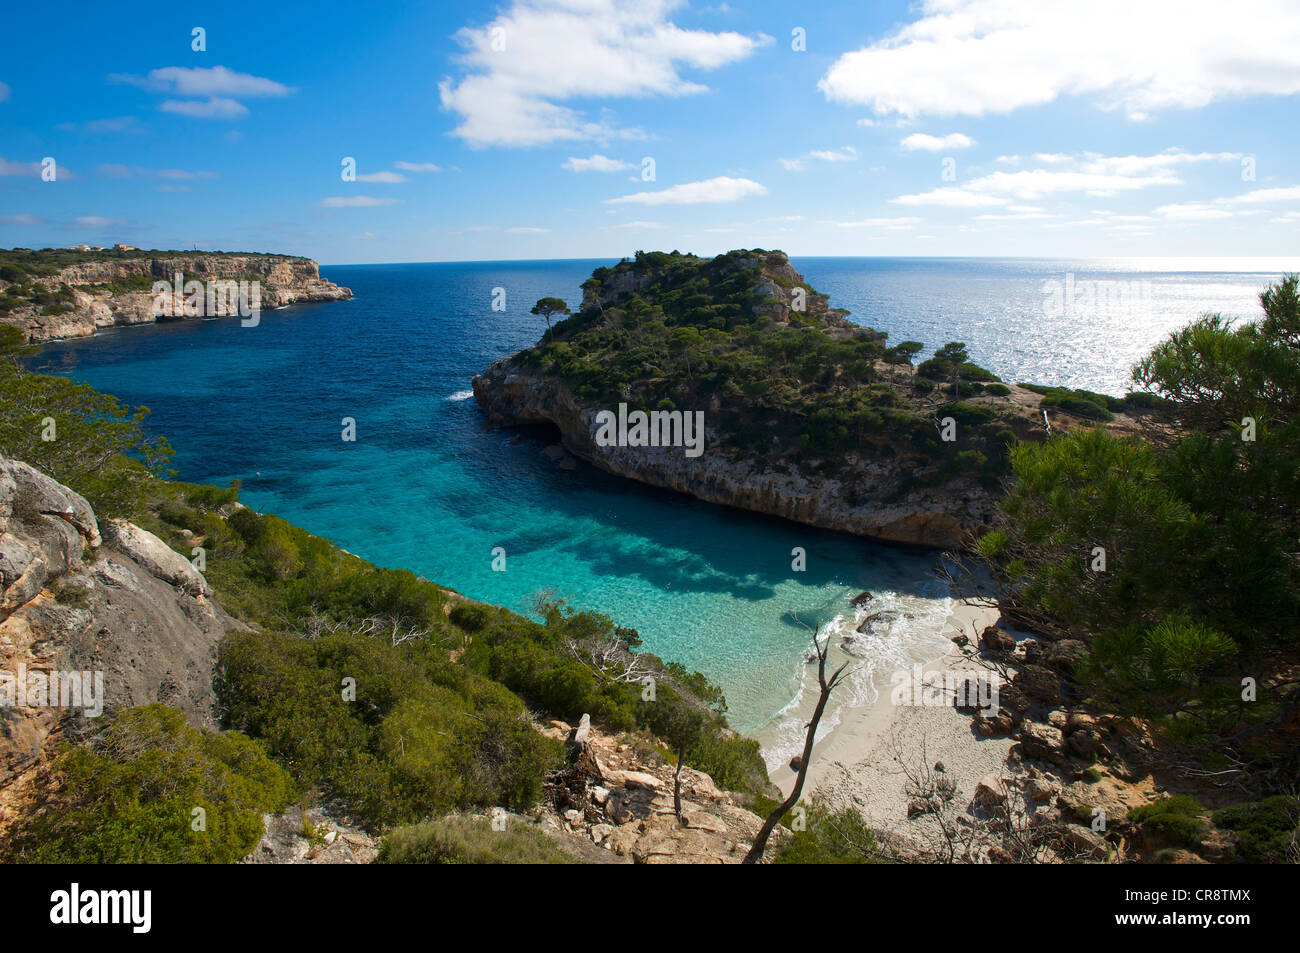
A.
pixel 860 762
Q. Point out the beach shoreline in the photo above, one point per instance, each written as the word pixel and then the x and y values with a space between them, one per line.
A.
pixel 860 762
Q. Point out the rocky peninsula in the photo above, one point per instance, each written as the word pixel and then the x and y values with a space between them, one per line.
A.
pixel 55 294
pixel 808 416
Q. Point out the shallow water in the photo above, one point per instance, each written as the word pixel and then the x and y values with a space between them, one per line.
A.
pixel 425 487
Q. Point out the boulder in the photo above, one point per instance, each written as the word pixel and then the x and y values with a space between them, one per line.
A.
pixel 1003 723
pixel 632 779
pixel 1085 742
pixel 1039 684
pixel 1040 789
pixel 1043 742
pixel 157 558
pixel 990 791
pixel 1085 841
pixel 46 495
pixel 995 640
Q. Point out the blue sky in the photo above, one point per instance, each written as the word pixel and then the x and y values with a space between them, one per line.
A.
pixel 521 129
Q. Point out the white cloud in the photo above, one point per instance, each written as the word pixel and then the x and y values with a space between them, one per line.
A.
pixel 99 126
pixel 1256 196
pixel 526 230
pixel 23 219
pixel 19 168
pixel 355 201
pixel 919 140
pixel 512 96
pixel 721 189
pixel 596 163
pixel 389 178
pixel 1090 173
pixel 973 57
pixel 215 108
pixel 118 171
pixel 895 224
pixel 204 81
pixel 1229 206
pixel 847 154
pixel 4 92
pixel 97 221
pixel 417 166
pixel 217 83
pixel 950 197
pixel 638 224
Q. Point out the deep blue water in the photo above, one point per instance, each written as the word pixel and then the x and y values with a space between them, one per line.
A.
pixel 425 487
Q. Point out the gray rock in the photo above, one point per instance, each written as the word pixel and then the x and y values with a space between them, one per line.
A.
pixel 156 557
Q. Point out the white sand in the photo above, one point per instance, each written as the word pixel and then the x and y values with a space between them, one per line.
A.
pixel 858 762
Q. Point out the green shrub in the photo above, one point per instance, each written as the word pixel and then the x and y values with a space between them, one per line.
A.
pixel 997 390
pixel 1264 832
pixel 461 839
pixel 131 797
pixel 832 836
pixel 419 737
pixel 1174 821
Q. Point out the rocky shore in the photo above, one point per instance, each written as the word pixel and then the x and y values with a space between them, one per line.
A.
pixel 96 303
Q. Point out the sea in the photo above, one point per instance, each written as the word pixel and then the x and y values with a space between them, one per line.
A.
pixel 426 487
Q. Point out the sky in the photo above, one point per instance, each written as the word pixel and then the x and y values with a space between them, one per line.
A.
pixel 380 132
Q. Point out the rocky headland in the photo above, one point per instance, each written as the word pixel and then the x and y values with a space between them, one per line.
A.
pixel 895 483
pixel 77 298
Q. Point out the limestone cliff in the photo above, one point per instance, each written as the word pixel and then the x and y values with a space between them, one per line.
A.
pixel 115 291
pixel 511 395
pixel 80 596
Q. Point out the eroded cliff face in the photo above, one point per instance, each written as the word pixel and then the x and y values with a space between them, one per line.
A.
pixel 80 596
pixel 511 395
pixel 282 280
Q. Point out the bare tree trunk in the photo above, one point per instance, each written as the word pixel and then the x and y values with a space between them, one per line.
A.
pixel 677 782
pixel 827 686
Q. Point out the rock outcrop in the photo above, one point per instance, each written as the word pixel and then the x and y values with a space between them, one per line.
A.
pixel 623 803
pixel 123 610
pixel 511 396
pixel 282 280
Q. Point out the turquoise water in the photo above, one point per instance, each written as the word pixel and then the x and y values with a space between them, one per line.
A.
pixel 425 487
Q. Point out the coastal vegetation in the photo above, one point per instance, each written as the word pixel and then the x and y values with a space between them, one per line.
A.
pixel 373 688
pixel 20 263
pixel 785 384
pixel 150 790
pixel 1171 552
